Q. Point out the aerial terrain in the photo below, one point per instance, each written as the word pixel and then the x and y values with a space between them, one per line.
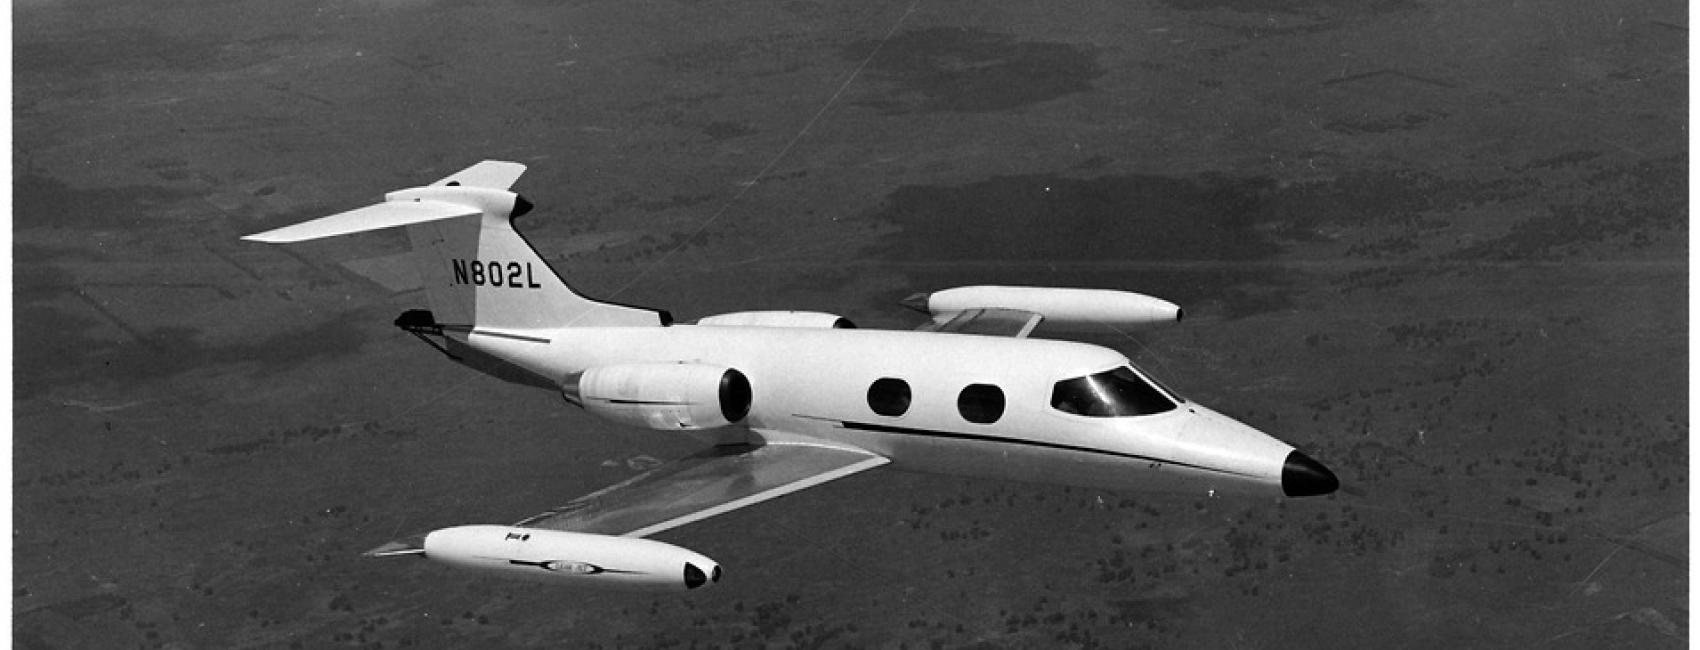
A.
pixel 1441 246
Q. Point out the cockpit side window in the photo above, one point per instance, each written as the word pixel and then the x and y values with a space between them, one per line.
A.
pixel 1108 394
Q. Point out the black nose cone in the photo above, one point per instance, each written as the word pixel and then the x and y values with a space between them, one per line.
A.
pixel 1302 476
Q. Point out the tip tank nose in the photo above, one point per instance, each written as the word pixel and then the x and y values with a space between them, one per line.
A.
pixel 696 577
pixel 1302 476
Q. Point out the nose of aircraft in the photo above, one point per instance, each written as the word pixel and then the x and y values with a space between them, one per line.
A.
pixel 1302 476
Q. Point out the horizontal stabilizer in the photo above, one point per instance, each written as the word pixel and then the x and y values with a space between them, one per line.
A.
pixel 494 174
pixel 373 217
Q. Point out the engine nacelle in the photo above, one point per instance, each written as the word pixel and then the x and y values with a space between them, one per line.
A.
pixel 1068 307
pixel 662 396
pixel 571 558
pixel 813 319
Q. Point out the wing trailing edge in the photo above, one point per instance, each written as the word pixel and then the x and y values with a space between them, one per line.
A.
pixel 712 482
pixel 715 481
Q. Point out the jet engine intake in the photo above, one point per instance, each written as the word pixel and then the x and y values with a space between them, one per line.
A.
pixel 562 557
pixel 662 396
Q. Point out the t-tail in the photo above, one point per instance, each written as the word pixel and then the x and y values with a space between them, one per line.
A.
pixel 479 274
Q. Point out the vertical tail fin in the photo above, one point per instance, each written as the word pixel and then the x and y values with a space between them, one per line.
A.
pixel 478 272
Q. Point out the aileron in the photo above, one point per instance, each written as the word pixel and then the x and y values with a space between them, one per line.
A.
pixel 989 322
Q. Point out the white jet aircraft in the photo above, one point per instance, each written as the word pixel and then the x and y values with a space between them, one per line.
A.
pixel 789 400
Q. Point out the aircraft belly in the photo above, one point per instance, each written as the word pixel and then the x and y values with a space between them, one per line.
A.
pixel 1027 459
pixel 984 460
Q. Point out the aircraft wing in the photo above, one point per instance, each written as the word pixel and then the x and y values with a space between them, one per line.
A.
pixel 714 481
pixel 990 321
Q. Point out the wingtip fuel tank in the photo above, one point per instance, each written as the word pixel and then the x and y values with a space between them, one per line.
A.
pixel 1059 306
pixel 562 557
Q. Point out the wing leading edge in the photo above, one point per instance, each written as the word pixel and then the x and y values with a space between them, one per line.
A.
pixel 712 482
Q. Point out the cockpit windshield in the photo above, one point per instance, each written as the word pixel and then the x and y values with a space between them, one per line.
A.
pixel 1112 393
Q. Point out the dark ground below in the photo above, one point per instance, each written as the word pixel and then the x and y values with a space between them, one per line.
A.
pixel 1442 246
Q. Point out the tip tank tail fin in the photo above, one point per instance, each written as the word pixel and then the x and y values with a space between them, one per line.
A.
pixel 477 270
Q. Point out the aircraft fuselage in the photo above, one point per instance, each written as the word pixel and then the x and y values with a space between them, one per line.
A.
pixel 816 384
